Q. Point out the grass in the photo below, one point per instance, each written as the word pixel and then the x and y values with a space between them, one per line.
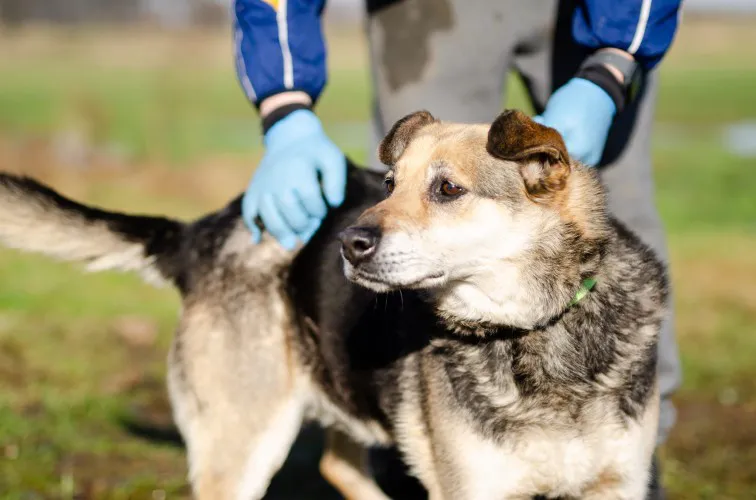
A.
pixel 148 122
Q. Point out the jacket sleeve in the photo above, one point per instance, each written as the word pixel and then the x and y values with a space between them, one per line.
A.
pixel 279 47
pixel 644 28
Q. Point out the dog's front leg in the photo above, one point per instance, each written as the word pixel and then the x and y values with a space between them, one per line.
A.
pixel 344 465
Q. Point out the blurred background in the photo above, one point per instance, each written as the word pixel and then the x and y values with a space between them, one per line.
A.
pixel 134 105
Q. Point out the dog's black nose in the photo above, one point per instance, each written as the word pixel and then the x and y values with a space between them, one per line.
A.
pixel 359 243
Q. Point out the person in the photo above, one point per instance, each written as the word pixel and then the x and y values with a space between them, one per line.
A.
pixel 590 68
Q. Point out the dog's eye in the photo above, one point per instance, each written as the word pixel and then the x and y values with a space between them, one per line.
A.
pixel 450 189
pixel 389 183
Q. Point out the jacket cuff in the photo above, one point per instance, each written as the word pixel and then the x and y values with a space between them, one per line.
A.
pixel 280 113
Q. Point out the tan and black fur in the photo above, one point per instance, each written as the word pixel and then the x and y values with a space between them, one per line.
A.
pixel 439 322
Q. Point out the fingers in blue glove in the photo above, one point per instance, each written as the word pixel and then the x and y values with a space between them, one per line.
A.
pixel 256 233
pixel 311 230
pixel 275 223
pixel 311 196
pixel 293 211
pixel 333 172
pixel 250 203
pixel 250 211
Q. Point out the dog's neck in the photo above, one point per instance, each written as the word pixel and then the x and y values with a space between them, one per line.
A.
pixel 491 301
pixel 489 320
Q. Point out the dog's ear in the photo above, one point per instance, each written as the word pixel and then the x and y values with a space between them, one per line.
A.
pixel 540 151
pixel 393 145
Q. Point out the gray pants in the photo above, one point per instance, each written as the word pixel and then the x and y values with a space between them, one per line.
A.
pixel 452 57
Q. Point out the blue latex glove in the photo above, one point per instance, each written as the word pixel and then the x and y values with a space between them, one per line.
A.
pixel 285 191
pixel 582 112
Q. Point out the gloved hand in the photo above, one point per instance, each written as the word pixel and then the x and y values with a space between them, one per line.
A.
pixel 285 191
pixel 582 112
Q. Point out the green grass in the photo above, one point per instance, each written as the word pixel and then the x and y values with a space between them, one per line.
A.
pixel 173 114
pixel 70 370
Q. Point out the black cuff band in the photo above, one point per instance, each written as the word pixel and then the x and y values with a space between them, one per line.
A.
pixel 601 76
pixel 280 113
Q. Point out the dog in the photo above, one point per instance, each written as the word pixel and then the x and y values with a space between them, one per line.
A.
pixel 477 308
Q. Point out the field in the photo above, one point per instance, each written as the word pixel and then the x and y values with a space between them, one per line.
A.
pixel 151 122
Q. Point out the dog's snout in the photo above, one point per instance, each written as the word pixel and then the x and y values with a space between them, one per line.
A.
pixel 359 243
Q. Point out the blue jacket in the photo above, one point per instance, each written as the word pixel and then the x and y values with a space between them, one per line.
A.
pixel 280 46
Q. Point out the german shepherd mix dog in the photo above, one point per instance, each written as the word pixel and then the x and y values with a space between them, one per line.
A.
pixel 484 314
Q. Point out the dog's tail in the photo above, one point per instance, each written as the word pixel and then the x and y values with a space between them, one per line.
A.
pixel 34 218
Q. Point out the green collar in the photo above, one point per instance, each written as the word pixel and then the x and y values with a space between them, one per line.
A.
pixel 585 287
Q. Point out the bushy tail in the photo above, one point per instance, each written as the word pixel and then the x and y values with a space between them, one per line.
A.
pixel 34 218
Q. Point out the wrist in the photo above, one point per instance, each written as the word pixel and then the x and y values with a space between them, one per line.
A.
pixel 612 66
pixel 271 103
pixel 277 107
pixel 278 114
pixel 615 72
pixel 293 128
pixel 604 81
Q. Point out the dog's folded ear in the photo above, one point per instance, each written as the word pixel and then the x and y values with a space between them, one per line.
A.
pixel 400 135
pixel 540 151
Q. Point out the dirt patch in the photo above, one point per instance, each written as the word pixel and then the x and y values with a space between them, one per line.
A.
pixel 722 425
pixel 136 331
pixel 158 187
pixel 87 476
pixel 716 442
pixel 149 416
pixel 709 284
pixel 13 370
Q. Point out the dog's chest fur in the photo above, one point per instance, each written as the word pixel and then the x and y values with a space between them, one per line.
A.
pixel 553 455
pixel 510 380
pixel 551 411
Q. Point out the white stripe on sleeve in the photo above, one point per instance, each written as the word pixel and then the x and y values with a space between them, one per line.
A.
pixel 283 38
pixel 242 69
pixel 641 29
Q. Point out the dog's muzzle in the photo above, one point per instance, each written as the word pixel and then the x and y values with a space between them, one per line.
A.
pixel 358 244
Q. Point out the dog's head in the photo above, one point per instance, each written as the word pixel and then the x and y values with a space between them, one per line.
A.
pixel 496 222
